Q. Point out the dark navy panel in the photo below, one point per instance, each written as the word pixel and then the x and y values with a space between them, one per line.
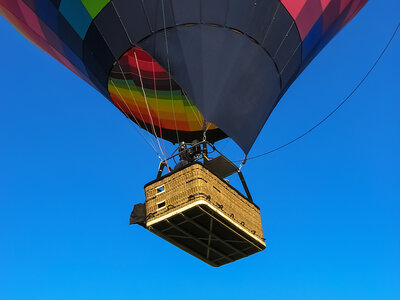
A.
pixel 262 17
pixel 181 57
pixel 280 27
pixel 134 18
pixel 45 10
pixel 186 11
pixel 292 67
pixel 56 3
pixel 232 80
pixel 73 56
pixel 69 36
pixel 55 21
pixel 289 51
pixel 98 83
pixel 214 12
pixel 239 14
pixel 110 27
pixel 97 57
pixel 75 60
pixel 50 16
pixel 30 3
pixel 155 14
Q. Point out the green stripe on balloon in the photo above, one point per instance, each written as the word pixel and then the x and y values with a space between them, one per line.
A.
pixel 94 6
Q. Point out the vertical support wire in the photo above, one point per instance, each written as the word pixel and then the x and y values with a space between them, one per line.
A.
pixel 137 130
pixel 283 40
pixel 158 115
pixel 169 70
pixel 272 21
pixel 147 106
pixel 126 81
pixel 134 100
pixel 197 114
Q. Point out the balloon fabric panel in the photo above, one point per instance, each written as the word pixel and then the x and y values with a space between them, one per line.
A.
pixel 77 16
pixel 93 6
pixel 227 62
pixel 140 87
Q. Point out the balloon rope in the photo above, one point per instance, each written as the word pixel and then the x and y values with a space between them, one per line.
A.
pixel 272 20
pixel 283 40
pixel 169 71
pixel 147 106
pixel 126 82
pixel 137 106
pixel 158 115
pixel 337 107
pixel 156 96
pixel 137 130
pixel 197 113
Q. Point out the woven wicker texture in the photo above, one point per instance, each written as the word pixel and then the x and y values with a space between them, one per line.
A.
pixel 196 182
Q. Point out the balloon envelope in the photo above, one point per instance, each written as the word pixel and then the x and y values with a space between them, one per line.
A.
pixel 180 67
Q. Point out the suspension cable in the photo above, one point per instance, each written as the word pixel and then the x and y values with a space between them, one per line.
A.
pixel 147 105
pixel 136 104
pixel 137 130
pixel 158 115
pixel 336 108
pixel 169 70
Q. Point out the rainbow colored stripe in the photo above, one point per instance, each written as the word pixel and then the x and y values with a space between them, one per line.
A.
pixel 144 91
pixel 94 37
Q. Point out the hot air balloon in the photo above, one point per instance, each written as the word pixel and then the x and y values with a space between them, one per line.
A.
pixel 190 72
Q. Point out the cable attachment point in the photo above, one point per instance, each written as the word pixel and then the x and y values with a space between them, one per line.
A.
pixel 244 161
pixel 204 131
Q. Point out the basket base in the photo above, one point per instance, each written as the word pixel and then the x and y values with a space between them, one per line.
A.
pixel 204 232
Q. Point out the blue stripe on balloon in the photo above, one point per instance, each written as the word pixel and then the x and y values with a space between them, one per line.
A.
pixel 77 16
pixel 313 38
pixel 318 38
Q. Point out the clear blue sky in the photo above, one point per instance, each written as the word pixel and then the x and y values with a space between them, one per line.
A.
pixel 71 168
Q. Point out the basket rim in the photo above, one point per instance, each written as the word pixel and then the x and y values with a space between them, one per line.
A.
pixel 199 163
pixel 261 240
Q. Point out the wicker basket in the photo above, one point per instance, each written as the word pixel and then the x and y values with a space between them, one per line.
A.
pixel 232 229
